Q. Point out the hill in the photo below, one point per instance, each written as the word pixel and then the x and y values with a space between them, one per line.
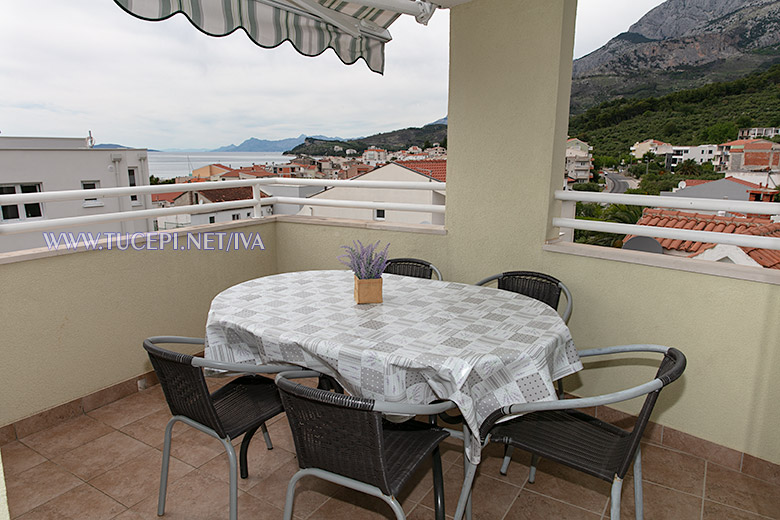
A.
pixel 706 115
pixel 264 145
pixel 681 44
pixel 392 141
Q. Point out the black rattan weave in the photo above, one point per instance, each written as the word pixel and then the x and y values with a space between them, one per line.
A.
pixel 343 435
pixel 579 440
pixel 538 286
pixel 410 267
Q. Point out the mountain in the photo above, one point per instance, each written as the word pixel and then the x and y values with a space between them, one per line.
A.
pixel 262 145
pixel 442 121
pixel 678 45
pixel 395 140
pixel 711 114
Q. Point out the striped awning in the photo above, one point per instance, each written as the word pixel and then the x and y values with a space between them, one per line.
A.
pixel 353 30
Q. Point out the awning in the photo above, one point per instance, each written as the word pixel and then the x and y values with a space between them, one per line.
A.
pixel 354 29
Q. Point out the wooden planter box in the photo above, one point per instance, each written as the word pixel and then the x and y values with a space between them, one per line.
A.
pixel 368 290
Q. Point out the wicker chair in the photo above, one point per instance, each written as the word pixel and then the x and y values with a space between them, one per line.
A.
pixel 343 439
pixel 412 267
pixel 539 286
pixel 239 407
pixel 557 431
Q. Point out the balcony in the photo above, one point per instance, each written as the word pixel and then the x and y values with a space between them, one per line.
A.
pixel 74 322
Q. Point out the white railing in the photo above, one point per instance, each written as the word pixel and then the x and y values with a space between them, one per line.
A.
pixel 569 223
pixel 256 201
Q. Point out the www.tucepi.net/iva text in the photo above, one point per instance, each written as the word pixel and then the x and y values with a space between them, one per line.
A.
pixel 202 241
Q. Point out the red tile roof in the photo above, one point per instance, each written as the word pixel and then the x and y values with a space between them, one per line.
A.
pixel 230 194
pixel 769 258
pixel 436 168
pixel 158 197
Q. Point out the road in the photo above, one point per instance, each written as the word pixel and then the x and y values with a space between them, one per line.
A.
pixel 617 183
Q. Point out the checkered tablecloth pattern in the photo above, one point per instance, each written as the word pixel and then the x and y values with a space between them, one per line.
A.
pixel 480 347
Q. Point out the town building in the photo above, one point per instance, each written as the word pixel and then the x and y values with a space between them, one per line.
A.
pixel 579 162
pixel 40 164
pixel 747 155
pixel 651 145
pixel 701 154
pixel 389 172
pixel 758 133
pixel 375 156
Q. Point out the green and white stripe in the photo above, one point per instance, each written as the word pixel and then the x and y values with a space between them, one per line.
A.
pixel 269 23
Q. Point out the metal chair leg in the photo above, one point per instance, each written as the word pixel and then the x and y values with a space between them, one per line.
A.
pixel 532 472
pixel 233 480
pixel 290 497
pixel 617 487
pixel 267 437
pixel 465 493
pixel 164 472
pixel 508 450
pixel 244 449
pixel 638 498
pixel 438 485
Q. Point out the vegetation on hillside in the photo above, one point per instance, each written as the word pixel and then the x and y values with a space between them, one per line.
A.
pixel 391 141
pixel 706 115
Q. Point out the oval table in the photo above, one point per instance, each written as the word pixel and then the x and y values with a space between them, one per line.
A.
pixel 479 347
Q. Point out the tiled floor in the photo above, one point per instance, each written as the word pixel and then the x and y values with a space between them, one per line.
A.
pixel 106 465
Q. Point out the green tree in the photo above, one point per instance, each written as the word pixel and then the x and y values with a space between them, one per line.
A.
pixel 153 179
pixel 587 186
pixel 720 133
pixel 427 144
pixel 688 168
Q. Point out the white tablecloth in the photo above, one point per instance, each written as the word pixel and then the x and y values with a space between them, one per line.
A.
pixel 480 347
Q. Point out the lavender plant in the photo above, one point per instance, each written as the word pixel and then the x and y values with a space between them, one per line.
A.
pixel 365 261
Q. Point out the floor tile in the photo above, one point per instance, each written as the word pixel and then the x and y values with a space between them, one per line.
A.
pixel 151 429
pixel 36 486
pixel 493 458
pixel 196 496
pixel 102 454
pixel 741 491
pixel 18 458
pixel 130 409
pixel 660 503
pixel 491 497
pixel 193 446
pixel 569 485
pixel 673 469
pixel 715 511
pixel 136 479
pixel 310 492
pixel 66 436
pixel 81 503
pixel 532 506
pixel 261 462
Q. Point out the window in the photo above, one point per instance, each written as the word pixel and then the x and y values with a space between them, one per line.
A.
pixel 379 214
pixel 212 220
pixel 91 202
pixel 131 182
pixel 236 216
pixel 21 211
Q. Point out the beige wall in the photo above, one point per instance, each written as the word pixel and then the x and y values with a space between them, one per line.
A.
pixel 74 323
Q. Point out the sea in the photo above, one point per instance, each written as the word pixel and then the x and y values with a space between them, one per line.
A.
pixel 167 165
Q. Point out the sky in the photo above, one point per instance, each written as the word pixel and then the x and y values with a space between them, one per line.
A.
pixel 70 67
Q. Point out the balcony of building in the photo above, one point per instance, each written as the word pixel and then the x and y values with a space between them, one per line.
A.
pixel 74 322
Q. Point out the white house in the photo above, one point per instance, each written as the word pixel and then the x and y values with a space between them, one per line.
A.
pixel 651 145
pixel 373 156
pixel 700 154
pixel 579 161
pixel 38 164
pixel 389 172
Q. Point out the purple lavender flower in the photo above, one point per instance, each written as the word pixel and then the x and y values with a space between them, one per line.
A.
pixel 365 261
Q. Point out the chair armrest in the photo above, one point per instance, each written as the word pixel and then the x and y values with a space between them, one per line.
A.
pixel 569 303
pixel 242 368
pixel 489 279
pixel 382 406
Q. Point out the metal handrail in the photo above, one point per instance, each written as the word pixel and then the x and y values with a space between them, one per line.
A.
pixel 684 203
pixel 257 201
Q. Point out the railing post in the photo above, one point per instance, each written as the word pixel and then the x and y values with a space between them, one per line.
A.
pixel 257 195
pixel 568 210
